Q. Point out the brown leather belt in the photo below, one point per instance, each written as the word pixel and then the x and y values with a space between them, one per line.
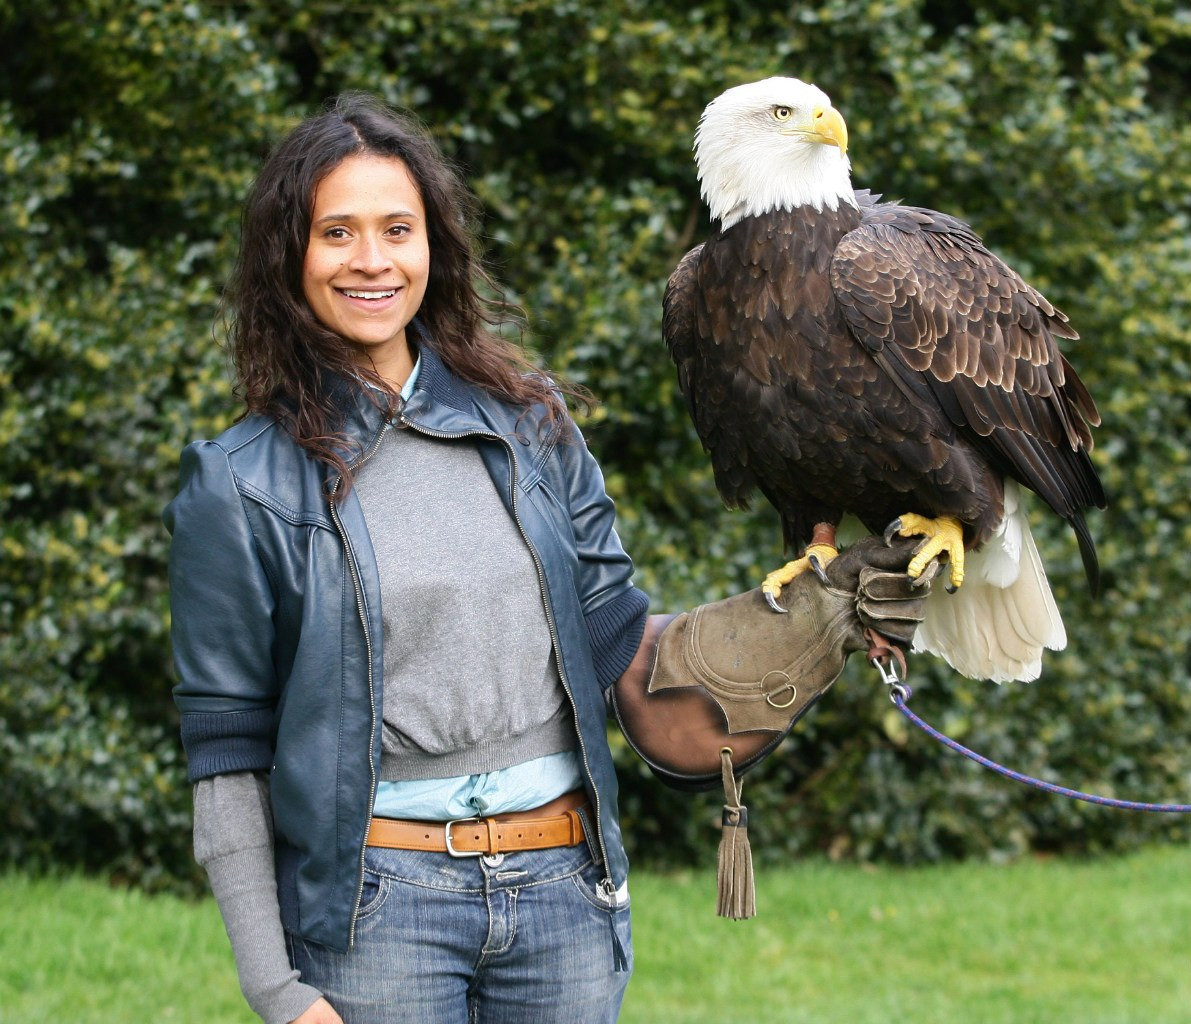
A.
pixel 557 823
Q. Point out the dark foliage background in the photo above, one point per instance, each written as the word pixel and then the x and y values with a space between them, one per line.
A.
pixel 130 130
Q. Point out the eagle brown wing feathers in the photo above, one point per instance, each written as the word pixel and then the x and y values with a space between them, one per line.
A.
pixel 953 324
pixel 731 461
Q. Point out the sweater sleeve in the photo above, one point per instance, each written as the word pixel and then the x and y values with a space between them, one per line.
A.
pixel 233 841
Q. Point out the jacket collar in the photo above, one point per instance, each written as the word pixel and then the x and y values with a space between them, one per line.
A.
pixel 436 384
pixel 440 402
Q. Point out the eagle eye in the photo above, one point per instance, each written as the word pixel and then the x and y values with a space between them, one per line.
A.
pixel 783 113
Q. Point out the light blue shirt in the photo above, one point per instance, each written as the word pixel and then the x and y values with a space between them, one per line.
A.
pixel 520 787
pixel 407 388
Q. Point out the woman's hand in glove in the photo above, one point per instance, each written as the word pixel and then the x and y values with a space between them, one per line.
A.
pixel 734 674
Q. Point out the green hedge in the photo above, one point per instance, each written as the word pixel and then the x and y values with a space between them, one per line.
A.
pixel 129 132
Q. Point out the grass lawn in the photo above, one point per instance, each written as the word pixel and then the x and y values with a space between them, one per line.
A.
pixel 1036 942
pixel 1070 942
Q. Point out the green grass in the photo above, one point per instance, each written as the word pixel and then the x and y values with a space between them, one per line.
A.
pixel 1040 941
pixel 75 951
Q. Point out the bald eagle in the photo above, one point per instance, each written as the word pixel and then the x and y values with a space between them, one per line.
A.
pixel 846 355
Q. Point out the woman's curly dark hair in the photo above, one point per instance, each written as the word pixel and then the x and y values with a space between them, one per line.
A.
pixel 287 364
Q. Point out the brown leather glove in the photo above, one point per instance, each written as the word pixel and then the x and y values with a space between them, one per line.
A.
pixel 736 674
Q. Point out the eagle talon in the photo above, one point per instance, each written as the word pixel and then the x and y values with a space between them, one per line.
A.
pixel 813 559
pixel 944 538
pixel 891 531
pixel 933 568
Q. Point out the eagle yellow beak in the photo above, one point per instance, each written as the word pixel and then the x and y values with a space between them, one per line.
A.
pixel 827 126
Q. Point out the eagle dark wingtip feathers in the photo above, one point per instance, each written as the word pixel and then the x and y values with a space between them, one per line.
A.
pixel 1087 551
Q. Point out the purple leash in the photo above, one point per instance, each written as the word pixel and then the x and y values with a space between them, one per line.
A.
pixel 899 693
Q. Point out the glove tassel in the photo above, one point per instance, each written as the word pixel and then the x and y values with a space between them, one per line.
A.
pixel 736 897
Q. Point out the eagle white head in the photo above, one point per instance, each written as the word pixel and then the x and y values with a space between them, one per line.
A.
pixel 770 145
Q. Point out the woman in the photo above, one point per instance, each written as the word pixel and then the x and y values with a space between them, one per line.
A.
pixel 299 525
pixel 398 603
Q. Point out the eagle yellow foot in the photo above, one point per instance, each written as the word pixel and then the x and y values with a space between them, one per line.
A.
pixel 944 535
pixel 814 559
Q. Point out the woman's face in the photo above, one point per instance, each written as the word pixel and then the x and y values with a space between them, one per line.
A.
pixel 368 258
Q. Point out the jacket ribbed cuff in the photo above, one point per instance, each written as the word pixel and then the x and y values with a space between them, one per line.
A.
pixel 615 630
pixel 232 741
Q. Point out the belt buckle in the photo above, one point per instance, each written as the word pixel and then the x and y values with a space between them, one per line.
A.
pixel 450 847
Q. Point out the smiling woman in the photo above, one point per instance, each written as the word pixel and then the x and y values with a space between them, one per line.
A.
pixel 370 618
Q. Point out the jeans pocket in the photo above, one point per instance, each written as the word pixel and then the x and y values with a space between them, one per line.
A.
pixel 374 894
pixel 594 886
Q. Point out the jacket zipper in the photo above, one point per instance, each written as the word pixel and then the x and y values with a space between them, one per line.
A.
pixel 608 885
pixel 355 572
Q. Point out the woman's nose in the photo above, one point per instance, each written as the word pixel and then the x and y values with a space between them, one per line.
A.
pixel 368 256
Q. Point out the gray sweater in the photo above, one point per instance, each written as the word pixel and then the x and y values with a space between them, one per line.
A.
pixel 470 685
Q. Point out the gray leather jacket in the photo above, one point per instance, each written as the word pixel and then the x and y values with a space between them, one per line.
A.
pixel 277 634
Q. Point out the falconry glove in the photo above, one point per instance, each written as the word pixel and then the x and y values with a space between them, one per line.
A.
pixel 734 675
pixel 723 684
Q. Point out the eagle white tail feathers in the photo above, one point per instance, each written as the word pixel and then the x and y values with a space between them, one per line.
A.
pixel 997 624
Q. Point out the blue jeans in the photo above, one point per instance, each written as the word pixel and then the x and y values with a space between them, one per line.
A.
pixel 519 938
